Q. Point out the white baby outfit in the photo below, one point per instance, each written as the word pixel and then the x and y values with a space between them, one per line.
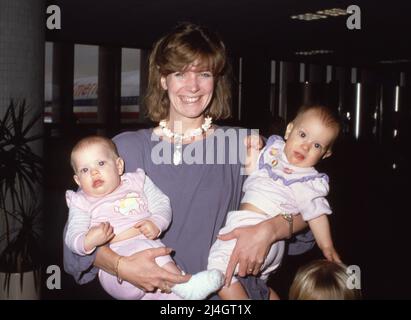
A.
pixel 275 187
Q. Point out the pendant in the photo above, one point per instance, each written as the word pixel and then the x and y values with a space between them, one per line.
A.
pixel 178 151
pixel 177 157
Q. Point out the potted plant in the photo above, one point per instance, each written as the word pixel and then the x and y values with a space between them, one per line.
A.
pixel 20 203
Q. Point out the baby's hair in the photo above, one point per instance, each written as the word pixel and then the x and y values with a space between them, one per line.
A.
pixel 322 280
pixel 328 116
pixel 90 140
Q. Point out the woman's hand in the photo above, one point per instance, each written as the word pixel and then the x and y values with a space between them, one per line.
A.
pixel 251 249
pixel 140 269
pixel 254 242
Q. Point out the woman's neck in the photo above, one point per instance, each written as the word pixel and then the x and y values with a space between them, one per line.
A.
pixel 183 125
pixel 187 127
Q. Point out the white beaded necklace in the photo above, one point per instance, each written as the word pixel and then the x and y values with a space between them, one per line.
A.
pixel 178 138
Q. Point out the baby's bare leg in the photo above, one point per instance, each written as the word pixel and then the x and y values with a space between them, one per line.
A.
pixel 273 295
pixel 234 292
pixel 172 267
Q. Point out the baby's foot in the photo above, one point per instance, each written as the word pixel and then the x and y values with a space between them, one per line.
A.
pixel 200 285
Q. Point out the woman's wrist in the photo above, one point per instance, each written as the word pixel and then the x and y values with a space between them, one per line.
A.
pixel 283 228
pixel 106 259
pixel 117 270
pixel 280 228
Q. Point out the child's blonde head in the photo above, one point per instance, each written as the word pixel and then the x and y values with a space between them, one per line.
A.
pixel 91 140
pixel 327 116
pixel 322 280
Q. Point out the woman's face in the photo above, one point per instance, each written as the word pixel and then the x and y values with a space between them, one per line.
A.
pixel 189 91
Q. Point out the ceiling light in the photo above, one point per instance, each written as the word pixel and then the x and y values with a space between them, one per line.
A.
pixel 320 14
pixel 313 52
pixel 395 61
pixel 308 16
pixel 335 12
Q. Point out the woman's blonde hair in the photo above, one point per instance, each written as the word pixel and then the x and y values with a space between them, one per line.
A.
pixel 322 280
pixel 177 51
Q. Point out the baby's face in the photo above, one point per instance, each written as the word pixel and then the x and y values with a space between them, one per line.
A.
pixel 308 140
pixel 98 170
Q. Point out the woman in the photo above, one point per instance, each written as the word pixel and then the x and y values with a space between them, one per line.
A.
pixel 191 161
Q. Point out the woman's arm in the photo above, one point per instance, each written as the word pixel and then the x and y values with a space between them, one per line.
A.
pixel 254 242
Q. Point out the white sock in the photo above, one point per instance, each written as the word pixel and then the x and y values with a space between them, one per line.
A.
pixel 200 285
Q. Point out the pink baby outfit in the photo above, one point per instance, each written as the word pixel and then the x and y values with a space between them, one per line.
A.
pixel 123 208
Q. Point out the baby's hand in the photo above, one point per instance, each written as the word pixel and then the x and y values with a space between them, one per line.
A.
pixel 98 235
pixel 253 143
pixel 148 228
pixel 331 254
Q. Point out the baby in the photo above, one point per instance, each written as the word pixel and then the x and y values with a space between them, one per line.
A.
pixel 127 211
pixel 286 183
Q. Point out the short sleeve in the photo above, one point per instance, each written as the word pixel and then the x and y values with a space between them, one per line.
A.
pixel 74 199
pixel 70 196
pixel 137 177
pixel 310 198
